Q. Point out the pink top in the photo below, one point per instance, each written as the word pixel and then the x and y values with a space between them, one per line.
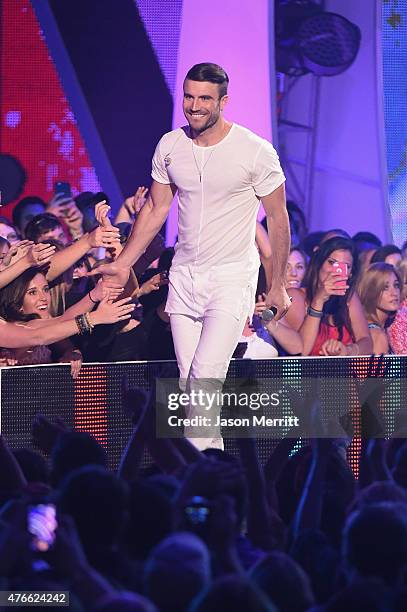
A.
pixel 397 332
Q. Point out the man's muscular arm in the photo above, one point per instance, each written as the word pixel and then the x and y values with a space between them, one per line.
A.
pixel 279 234
pixel 148 223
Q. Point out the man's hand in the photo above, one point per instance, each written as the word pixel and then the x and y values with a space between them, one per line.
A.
pixel 278 298
pixel 113 272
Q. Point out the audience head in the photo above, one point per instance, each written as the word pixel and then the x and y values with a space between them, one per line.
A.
pixel 232 593
pixel 177 570
pixel 366 240
pixel 296 267
pixel 44 227
pixel 375 542
pixel 33 465
pixel 73 450
pixel 26 297
pixel 379 290
pixel 97 501
pixel 334 233
pixel 284 581
pixel 402 270
pixel 8 231
pixel 25 210
pixel 363 595
pixel 388 253
pixel 311 242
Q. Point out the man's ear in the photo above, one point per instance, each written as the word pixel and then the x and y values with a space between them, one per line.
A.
pixel 223 102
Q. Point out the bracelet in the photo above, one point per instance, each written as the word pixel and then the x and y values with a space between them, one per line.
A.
pixel 84 324
pixel 90 297
pixel 312 312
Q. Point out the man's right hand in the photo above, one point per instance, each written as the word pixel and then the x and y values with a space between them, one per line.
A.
pixel 113 272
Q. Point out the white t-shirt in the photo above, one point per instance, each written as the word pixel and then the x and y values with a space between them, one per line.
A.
pixel 218 191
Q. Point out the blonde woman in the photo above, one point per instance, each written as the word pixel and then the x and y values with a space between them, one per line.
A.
pixel 379 291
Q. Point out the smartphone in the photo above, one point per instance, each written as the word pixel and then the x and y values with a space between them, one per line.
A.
pixel 342 268
pixel 63 189
pixel 197 511
pixel 41 524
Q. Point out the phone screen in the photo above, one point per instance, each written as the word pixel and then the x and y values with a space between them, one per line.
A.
pixel 63 188
pixel 342 268
pixel 42 523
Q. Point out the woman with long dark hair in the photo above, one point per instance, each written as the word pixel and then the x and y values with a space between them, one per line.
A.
pixel 327 311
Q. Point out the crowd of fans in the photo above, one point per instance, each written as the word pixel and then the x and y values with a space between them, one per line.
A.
pixel 197 531
pixel 348 293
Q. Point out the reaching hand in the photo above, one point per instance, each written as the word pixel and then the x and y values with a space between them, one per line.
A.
pixel 101 214
pixel 112 312
pixel 104 237
pixel 105 288
pixel 16 252
pixel 113 272
pixel 135 203
pixel 154 283
pixel 40 254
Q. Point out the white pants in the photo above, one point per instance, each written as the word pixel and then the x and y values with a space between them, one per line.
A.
pixel 204 347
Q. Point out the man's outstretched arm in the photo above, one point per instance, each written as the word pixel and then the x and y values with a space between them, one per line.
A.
pixel 148 223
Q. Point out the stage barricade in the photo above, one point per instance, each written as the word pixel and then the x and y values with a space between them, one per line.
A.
pixel 93 401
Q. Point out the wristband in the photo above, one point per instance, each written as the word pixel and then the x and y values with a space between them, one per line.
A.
pixel 90 297
pixel 312 312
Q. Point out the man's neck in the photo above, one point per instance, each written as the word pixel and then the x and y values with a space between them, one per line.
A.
pixel 212 135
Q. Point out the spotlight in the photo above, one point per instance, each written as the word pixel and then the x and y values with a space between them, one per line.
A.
pixel 309 39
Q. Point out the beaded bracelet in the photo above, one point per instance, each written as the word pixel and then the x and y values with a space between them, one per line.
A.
pixel 84 324
pixel 312 312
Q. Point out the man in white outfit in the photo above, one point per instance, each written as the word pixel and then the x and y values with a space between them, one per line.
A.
pixel 221 171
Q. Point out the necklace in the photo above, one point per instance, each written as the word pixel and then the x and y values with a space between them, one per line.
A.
pixel 200 170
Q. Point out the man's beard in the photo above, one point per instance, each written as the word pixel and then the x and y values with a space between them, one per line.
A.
pixel 210 123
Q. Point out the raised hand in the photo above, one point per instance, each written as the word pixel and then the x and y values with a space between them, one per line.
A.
pixel 112 312
pixel 16 252
pixel 154 283
pixel 332 284
pixel 45 433
pixel 104 237
pixel 105 288
pixel 102 214
pixel 135 203
pixel 40 254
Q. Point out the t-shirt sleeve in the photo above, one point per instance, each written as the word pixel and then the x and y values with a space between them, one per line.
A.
pixel 159 169
pixel 267 172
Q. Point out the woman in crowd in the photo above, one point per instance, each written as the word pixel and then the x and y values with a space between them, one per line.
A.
pixel 379 292
pixel 389 253
pixel 296 268
pixel 327 312
pixel 25 319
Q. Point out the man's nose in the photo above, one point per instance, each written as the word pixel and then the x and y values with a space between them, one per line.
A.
pixel 195 105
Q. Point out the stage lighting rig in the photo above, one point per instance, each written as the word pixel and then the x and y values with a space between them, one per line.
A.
pixel 309 39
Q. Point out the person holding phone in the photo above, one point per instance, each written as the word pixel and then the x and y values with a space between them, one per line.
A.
pixel 327 312
pixel 221 171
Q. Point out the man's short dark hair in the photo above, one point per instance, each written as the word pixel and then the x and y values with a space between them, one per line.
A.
pixel 211 73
